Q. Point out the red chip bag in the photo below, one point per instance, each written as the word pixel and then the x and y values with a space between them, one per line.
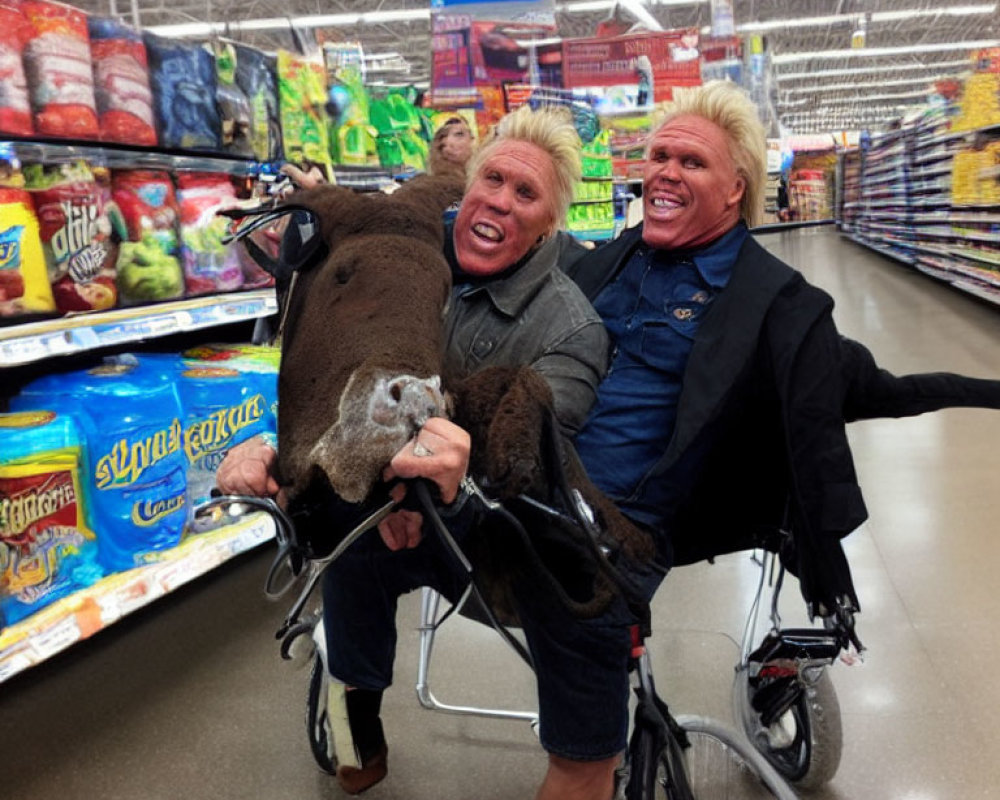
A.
pixel 80 249
pixel 15 109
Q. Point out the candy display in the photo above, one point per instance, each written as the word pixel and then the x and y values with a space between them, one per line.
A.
pixel 15 107
pixel 182 75
pixel 149 266
pixel 209 265
pixel 256 76
pixel 121 83
pixel 58 67
pixel 76 230
pixel 47 545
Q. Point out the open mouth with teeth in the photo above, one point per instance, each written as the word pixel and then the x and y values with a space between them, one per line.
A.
pixel 665 203
pixel 485 230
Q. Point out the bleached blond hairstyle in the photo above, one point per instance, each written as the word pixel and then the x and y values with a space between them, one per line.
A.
pixel 727 106
pixel 550 129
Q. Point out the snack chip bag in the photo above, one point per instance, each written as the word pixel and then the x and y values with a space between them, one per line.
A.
pixel 81 249
pixel 121 83
pixel 47 545
pixel 182 75
pixel 135 478
pixel 58 66
pixel 209 265
pixel 234 107
pixel 24 283
pixel 149 267
pixel 15 106
pixel 256 75
pixel 302 93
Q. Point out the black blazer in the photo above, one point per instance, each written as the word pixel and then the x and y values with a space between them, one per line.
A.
pixel 760 438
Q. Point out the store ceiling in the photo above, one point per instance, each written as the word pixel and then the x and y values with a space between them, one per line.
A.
pixel 822 83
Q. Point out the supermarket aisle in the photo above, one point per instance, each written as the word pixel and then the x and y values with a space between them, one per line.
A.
pixel 190 699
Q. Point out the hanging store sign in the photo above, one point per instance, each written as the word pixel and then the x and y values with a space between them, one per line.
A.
pixel 610 62
pixel 488 43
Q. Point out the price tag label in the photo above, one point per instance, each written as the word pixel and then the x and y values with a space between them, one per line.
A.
pixel 13 664
pixel 57 637
pixel 85 338
pixel 58 343
pixel 21 351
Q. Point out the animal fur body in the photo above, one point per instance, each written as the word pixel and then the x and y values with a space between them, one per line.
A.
pixel 361 363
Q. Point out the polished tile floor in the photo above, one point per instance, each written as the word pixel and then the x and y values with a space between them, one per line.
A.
pixel 189 699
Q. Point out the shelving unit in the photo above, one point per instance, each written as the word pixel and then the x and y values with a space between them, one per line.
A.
pixel 26 346
pixel 80 615
pixel 27 343
pixel 897 199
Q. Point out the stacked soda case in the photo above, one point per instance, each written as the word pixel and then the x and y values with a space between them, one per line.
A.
pixel 100 468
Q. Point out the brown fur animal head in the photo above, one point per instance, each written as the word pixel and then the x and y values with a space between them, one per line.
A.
pixel 362 346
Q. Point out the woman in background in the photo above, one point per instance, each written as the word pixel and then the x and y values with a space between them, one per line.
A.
pixel 450 148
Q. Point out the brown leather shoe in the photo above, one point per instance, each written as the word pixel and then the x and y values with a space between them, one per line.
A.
pixel 354 781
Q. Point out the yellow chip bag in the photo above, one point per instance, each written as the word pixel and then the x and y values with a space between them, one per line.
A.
pixel 24 281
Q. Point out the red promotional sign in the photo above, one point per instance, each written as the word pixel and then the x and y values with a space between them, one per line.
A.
pixel 609 62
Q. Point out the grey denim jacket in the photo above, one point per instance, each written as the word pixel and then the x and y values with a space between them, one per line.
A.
pixel 537 316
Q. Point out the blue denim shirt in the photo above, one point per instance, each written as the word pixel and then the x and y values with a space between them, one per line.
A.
pixel 652 310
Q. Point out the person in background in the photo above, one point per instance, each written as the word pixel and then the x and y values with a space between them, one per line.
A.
pixel 451 148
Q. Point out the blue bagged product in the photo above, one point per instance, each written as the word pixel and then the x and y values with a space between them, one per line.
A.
pixel 136 466
pixel 47 545
pixel 222 407
pixel 182 76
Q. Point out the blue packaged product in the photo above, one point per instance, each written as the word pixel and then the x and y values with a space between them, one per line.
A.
pixel 222 407
pixel 182 76
pixel 47 545
pixel 135 455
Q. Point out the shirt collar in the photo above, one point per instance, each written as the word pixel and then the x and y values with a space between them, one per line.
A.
pixel 512 292
pixel 715 260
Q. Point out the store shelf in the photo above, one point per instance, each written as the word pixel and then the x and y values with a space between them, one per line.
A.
pixel 126 157
pixel 23 344
pixel 81 615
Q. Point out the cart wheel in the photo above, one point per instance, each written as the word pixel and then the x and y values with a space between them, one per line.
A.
pixel 805 744
pixel 317 721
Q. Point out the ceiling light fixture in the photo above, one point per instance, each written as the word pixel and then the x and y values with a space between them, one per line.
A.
pixel 876 52
pixel 876 16
pixel 841 87
pixel 586 6
pixel 840 73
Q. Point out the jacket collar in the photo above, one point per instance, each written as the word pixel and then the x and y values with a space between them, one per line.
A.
pixel 727 340
pixel 511 293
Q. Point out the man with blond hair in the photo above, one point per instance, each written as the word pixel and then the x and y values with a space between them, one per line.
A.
pixel 722 413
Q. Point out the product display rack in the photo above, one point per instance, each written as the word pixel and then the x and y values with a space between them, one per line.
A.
pixel 898 199
pixel 30 344
pixel 78 616
pixel 26 343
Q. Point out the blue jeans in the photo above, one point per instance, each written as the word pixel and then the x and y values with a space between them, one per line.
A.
pixel 581 665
